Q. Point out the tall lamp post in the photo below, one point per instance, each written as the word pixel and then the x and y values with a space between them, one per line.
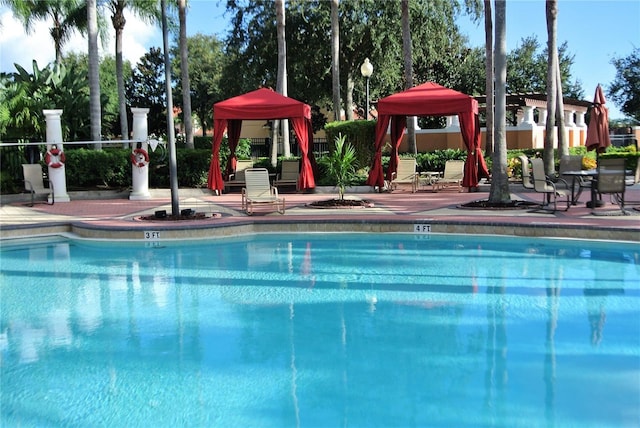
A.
pixel 367 70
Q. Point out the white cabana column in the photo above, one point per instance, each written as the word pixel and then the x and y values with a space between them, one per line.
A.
pixel 55 155
pixel 140 156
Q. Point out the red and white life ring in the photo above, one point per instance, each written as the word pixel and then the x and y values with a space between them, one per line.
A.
pixel 140 158
pixel 55 158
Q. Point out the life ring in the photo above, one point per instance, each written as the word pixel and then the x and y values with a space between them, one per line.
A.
pixel 140 158
pixel 55 158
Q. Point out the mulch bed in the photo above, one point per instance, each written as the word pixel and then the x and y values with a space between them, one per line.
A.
pixel 341 204
pixel 484 204
pixel 180 217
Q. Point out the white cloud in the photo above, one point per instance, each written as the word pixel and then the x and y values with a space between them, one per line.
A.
pixel 16 46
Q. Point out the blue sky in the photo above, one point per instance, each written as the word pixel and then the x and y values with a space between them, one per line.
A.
pixel 596 31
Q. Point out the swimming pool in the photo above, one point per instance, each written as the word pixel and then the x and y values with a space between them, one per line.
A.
pixel 357 330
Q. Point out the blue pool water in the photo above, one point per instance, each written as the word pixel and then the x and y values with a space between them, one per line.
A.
pixel 352 330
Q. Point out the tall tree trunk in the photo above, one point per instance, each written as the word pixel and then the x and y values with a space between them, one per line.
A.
pixel 408 72
pixel 563 144
pixel 499 192
pixel 281 83
pixel 187 117
pixel 552 91
pixel 118 20
pixel 349 102
pixel 94 73
pixel 335 57
pixel 489 88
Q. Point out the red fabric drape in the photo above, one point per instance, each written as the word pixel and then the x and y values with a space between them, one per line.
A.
pixel 215 181
pixel 475 165
pixel 598 129
pixel 233 137
pixel 301 127
pixel 398 125
pixel 376 174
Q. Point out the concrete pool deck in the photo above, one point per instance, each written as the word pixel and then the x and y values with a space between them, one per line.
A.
pixel 111 215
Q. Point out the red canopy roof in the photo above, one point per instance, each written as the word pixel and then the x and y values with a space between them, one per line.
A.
pixel 261 104
pixel 428 99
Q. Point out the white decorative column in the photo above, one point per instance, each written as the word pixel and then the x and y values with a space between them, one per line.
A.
pixel 542 116
pixel 580 119
pixel 568 118
pixel 527 118
pixel 140 171
pixel 57 175
pixel 453 124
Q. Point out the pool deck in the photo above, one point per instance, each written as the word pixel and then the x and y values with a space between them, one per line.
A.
pixel 111 215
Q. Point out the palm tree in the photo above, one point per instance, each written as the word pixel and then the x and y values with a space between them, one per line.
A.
pixel 335 57
pixel 67 16
pixel 490 76
pixel 147 10
pixel 94 74
pixel 499 192
pixel 281 82
pixel 552 89
pixel 184 73
pixel 408 71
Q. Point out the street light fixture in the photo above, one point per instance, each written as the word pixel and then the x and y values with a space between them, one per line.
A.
pixel 367 70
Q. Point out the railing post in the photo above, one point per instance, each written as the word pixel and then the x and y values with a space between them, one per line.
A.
pixel 140 156
pixel 55 155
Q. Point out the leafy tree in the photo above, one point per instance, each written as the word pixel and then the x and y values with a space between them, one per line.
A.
pixel 108 87
pixel 53 87
pixel 148 11
pixel 625 88
pixel 527 69
pixel 147 89
pixel 66 15
pixel 206 61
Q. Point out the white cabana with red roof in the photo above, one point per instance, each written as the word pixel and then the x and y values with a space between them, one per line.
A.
pixel 428 99
pixel 261 104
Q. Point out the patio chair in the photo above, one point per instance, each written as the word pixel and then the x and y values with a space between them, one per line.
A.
pixel 573 163
pixel 611 180
pixel 258 190
pixel 452 175
pixel 289 173
pixel 527 182
pixel 405 174
pixel 542 184
pixel 34 182
pixel 237 178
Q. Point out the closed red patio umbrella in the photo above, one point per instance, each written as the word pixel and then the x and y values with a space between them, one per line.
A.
pixel 598 128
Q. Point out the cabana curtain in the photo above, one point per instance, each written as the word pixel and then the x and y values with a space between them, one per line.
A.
pixel 428 99
pixel 261 104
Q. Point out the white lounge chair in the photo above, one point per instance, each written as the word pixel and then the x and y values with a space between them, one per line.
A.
pixel 452 175
pixel 405 174
pixel 527 182
pixel 237 178
pixel 258 190
pixel 289 173
pixel 34 182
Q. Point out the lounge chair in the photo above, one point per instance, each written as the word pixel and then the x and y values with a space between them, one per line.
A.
pixel 452 175
pixel 289 173
pixel 34 182
pixel 542 184
pixel 237 178
pixel 527 181
pixel 611 180
pixel 405 174
pixel 258 190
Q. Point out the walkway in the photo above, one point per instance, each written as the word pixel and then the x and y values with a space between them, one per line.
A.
pixel 110 215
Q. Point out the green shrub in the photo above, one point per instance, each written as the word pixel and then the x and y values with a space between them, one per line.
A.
pixel 360 133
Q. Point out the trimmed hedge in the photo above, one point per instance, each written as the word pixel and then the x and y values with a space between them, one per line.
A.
pixel 359 133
